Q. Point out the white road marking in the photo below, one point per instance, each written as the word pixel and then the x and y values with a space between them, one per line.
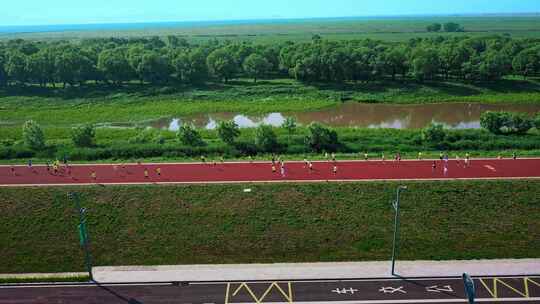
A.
pixel 436 288
pixel 392 289
pixel 490 168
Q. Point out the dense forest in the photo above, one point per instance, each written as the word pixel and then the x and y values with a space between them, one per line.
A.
pixel 172 60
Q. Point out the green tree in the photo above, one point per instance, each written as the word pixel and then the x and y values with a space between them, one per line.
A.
pixel 188 135
pixel 494 65
pixel 190 65
pixel 506 122
pixel 114 65
pixel 3 74
pixel 256 66
pixel 16 67
pixel 265 138
pixel 527 62
pixel 396 61
pixel 425 63
pixel 434 133
pixel 33 136
pixel 228 131
pixel 83 136
pixel 154 68
pixel 452 27
pixel 321 138
pixel 434 27
pixel 221 64
pixel 537 121
pixel 290 125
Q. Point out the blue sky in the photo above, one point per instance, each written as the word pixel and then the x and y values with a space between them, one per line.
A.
pixel 40 12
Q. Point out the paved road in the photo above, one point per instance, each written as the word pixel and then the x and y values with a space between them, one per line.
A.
pixel 262 172
pixel 383 291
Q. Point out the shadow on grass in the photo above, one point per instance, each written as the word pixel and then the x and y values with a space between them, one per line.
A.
pixel 271 87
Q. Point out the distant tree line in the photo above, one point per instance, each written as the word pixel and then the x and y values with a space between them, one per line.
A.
pixel 172 60
pixel 449 27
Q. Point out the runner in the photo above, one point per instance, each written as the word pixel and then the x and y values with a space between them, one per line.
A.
pixel 333 157
pixel 273 159
pixel 282 170
pixel 446 159
pixel 467 159
pixel 419 155
pixel 334 169
pixel 433 166
pixel 13 170
pixel 441 155
pixel 55 168
pixel 158 171
pixel 48 166
pixel 326 156
pixel 310 165
pixel 458 160
pixel 514 155
pixel 30 166
pixel 306 163
pixel 222 159
pixel 203 159
pixel 145 173
pixel 398 157
pixel 93 175
pixel 499 156
pixel 214 162
pixel 382 156
pixel 273 168
pixel 445 170
pixel 365 156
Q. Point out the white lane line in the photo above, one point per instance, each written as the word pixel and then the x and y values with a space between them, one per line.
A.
pixel 490 168
pixel 405 301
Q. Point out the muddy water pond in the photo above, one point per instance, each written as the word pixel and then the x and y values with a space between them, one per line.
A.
pixel 452 115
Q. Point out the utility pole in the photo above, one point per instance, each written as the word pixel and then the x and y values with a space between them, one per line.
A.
pixel 395 204
pixel 83 233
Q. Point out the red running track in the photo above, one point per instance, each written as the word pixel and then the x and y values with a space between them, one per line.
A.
pixel 262 172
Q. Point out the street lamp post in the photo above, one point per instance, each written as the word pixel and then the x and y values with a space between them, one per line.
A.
pixel 83 233
pixel 395 204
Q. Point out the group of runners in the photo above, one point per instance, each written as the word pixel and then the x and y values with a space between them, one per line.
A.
pixel 63 168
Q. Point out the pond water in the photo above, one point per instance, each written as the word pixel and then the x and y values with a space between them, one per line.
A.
pixel 452 115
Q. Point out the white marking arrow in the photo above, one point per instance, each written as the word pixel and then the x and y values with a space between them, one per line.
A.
pixel 436 288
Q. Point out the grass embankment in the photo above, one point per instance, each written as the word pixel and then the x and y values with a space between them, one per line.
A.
pixel 46 279
pixel 134 103
pixel 274 223
pixel 113 145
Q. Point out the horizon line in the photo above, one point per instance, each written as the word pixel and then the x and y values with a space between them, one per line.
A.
pixel 277 18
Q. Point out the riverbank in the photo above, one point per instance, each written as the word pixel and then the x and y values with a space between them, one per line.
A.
pixel 134 103
pixel 169 225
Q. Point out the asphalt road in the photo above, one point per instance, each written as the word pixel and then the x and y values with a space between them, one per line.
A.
pixel 383 291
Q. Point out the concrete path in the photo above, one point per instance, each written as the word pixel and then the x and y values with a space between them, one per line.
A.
pixel 307 271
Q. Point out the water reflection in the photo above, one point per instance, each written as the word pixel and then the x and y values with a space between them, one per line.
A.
pixel 452 115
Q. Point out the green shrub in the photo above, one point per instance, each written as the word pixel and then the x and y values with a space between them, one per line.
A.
pixel 228 131
pixel 188 135
pixel 83 136
pixel 434 133
pixel 33 136
pixel 505 122
pixel 266 139
pixel 147 136
pixel 321 138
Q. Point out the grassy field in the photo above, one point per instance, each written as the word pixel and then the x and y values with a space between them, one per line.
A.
pixel 274 223
pixel 134 103
pixel 260 31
